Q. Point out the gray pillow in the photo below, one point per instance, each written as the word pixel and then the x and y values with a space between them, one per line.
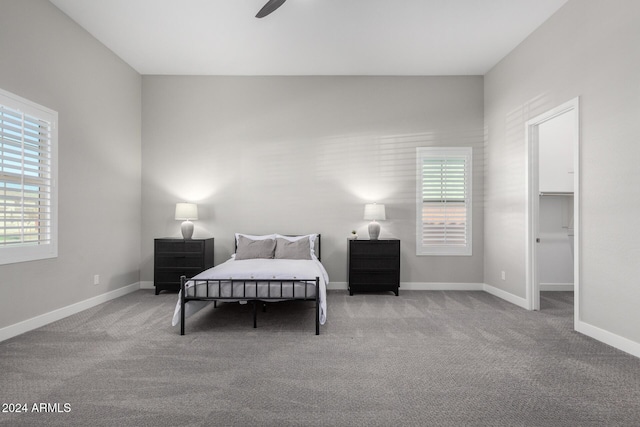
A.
pixel 300 249
pixel 250 249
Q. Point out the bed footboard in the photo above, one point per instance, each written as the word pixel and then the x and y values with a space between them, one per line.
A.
pixel 254 290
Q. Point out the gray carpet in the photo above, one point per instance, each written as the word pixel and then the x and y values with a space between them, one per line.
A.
pixel 420 359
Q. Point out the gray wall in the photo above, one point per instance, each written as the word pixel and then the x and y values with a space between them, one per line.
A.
pixel 301 155
pixel 50 60
pixel 588 49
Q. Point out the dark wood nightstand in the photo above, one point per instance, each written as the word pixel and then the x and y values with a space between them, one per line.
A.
pixel 374 265
pixel 176 257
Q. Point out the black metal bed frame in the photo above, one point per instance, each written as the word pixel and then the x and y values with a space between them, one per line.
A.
pixel 252 283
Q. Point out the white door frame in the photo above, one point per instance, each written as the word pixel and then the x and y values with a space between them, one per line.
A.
pixel 533 203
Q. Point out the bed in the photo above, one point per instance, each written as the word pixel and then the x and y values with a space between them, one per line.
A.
pixel 264 268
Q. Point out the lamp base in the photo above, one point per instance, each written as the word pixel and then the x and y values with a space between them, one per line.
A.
pixel 374 230
pixel 187 229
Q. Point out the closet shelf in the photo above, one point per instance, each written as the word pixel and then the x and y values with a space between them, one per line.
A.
pixel 555 193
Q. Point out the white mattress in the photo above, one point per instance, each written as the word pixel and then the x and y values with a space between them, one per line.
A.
pixel 257 269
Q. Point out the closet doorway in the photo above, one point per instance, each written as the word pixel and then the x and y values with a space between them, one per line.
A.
pixel 553 203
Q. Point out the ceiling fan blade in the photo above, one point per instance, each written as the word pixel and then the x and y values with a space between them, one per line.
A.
pixel 269 7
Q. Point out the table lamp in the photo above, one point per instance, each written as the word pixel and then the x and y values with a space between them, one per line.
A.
pixel 186 212
pixel 374 212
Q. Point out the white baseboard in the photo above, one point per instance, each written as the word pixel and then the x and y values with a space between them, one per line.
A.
pixel 420 286
pixel 513 299
pixel 557 287
pixel 147 284
pixel 440 286
pixel 55 315
pixel 616 341
pixel 337 286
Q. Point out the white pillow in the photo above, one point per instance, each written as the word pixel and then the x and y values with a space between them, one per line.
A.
pixel 311 237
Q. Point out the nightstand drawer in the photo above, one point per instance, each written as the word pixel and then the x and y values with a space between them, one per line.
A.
pixel 184 260
pixel 373 263
pixel 164 246
pixel 370 248
pixel 388 278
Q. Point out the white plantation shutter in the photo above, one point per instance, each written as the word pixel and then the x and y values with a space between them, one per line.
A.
pixel 444 201
pixel 28 226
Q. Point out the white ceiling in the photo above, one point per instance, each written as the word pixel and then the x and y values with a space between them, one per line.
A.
pixel 311 37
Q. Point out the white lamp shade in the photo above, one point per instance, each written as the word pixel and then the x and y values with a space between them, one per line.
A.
pixel 374 212
pixel 186 211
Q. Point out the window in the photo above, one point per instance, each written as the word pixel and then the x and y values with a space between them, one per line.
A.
pixel 28 170
pixel 443 201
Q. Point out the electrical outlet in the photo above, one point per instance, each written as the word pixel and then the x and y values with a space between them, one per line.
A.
pixel 504 276
pixel 96 279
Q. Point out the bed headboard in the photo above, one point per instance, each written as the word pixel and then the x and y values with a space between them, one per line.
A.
pixel 317 249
